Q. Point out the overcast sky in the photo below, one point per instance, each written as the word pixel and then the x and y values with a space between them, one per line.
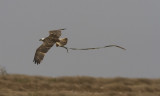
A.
pixel 133 24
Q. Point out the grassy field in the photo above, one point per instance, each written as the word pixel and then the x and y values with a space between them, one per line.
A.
pixel 23 85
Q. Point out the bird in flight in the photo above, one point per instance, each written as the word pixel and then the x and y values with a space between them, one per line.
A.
pixel 52 39
pixel 48 42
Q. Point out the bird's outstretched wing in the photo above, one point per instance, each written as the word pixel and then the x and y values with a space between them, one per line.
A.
pixel 48 42
pixel 56 33
pixel 41 51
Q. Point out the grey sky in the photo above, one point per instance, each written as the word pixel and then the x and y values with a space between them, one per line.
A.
pixel 133 24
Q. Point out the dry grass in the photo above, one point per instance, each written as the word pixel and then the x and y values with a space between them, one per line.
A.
pixel 22 85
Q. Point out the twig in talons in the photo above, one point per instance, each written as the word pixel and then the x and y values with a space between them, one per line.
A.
pixel 115 46
pixel 65 48
pixel 92 48
pixel 97 47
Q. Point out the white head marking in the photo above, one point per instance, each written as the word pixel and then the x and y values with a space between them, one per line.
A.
pixel 42 38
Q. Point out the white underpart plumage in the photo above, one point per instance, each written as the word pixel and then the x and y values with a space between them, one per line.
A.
pixel 62 42
pixel 58 43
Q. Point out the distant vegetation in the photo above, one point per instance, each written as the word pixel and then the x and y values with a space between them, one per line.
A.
pixel 3 70
pixel 22 85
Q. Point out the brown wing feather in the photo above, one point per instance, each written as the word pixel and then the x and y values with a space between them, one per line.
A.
pixel 56 33
pixel 42 50
pixel 47 44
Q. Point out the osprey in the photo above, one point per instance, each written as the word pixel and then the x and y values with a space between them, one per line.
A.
pixel 48 42
pixel 52 39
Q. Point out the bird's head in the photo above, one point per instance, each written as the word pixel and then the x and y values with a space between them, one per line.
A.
pixel 42 39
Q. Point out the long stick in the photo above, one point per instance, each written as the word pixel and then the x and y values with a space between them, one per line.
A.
pixel 94 48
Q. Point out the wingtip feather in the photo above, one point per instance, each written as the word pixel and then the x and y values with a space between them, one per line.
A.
pixel 63 29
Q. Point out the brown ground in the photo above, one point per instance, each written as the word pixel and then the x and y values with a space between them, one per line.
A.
pixel 22 85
